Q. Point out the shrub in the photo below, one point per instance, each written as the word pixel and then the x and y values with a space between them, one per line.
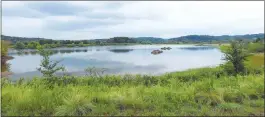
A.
pixel 256 47
pixel 236 54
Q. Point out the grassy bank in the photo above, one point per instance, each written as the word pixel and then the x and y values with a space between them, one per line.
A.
pixel 256 60
pixel 205 91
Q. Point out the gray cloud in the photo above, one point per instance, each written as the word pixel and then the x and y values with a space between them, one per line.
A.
pixel 22 12
pixel 55 8
pixel 78 24
pixel 103 19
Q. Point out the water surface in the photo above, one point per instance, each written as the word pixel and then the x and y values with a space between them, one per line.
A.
pixel 135 59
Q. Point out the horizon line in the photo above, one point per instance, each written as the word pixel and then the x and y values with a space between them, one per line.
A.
pixel 139 36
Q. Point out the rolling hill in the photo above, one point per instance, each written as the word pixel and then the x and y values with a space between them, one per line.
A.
pixel 185 39
pixel 208 38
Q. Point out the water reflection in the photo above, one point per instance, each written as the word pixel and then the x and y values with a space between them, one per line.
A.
pixel 197 48
pixel 134 59
pixel 120 50
pixel 53 52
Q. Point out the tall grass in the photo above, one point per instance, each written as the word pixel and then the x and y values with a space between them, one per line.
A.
pixel 256 60
pixel 205 91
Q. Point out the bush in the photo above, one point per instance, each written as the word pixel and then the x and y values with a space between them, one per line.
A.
pixel 236 55
pixel 20 45
pixel 256 47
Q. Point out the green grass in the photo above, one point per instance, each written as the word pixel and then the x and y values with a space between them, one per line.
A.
pixel 224 47
pixel 204 91
pixel 256 47
pixel 256 60
pixel 195 92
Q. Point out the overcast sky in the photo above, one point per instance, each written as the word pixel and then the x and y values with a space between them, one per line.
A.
pixel 104 19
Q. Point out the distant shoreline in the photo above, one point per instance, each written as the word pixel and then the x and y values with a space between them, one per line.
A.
pixel 126 44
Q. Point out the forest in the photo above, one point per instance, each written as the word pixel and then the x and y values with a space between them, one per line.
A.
pixel 32 43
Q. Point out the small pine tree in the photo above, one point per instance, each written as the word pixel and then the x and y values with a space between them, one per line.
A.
pixel 47 67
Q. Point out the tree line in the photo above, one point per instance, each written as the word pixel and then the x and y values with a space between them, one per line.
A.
pixel 49 43
pixel 32 43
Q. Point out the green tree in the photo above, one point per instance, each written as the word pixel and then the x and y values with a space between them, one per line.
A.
pixel 20 45
pixel 33 45
pixel 58 43
pixel 81 44
pixel 98 42
pixel 48 67
pixel 4 56
pixel 42 42
pixel 71 45
pixel 236 54
pixel 257 40
pixel 4 47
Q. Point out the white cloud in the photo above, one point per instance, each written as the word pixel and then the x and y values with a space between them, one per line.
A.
pixel 11 4
pixel 103 19
pixel 20 26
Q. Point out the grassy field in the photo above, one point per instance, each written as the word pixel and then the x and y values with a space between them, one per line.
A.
pixel 205 91
pixel 223 47
pixel 197 92
pixel 256 60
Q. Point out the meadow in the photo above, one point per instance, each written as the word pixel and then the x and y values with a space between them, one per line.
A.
pixel 204 91
pixel 195 92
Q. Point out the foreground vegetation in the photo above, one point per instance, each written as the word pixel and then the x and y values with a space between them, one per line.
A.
pixel 205 91
pixel 4 45
pixel 224 90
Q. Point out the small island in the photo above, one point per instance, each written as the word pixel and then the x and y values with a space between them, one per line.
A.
pixel 156 52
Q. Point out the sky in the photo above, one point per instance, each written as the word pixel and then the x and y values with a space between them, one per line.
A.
pixel 104 19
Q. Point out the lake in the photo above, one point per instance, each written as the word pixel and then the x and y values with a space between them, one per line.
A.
pixel 136 59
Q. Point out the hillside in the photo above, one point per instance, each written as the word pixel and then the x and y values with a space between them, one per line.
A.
pixel 150 40
pixel 208 38
pixel 184 39
pixel 14 39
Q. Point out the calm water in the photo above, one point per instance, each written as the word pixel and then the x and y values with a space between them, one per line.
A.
pixel 120 59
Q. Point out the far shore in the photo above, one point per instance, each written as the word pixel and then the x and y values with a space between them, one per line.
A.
pixel 130 44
